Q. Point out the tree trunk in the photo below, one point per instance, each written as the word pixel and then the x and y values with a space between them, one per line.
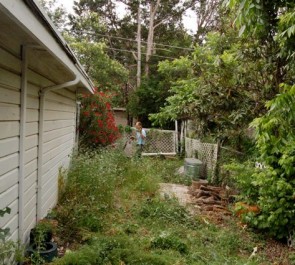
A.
pixel 138 47
pixel 150 40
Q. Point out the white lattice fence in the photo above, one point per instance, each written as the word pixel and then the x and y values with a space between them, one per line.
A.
pixel 157 142
pixel 206 152
pixel 160 141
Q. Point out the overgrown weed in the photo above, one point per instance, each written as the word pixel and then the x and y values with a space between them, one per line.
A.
pixel 112 206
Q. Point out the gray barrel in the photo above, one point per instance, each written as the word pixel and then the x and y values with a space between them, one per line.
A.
pixel 192 168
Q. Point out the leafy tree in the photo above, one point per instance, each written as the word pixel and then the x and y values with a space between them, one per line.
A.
pixel 107 74
pixel 221 87
pixel 208 17
pixel 266 21
pixel 57 14
pixel 274 185
pixel 120 33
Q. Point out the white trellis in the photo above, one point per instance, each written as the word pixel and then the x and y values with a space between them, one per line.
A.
pixel 158 142
pixel 165 142
pixel 206 152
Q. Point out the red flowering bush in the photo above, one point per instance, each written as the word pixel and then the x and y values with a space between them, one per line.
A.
pixel 97 122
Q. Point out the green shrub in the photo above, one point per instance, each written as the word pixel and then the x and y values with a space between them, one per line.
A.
pixel 244 180
pixel 272 188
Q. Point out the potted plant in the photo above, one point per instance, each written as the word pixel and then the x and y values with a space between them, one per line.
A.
pixel 41 248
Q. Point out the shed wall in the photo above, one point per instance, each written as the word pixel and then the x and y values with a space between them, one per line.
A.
pixel 59 135
pixel 120 117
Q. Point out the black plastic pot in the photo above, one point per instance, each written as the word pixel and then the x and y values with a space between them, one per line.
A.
pixel 48 253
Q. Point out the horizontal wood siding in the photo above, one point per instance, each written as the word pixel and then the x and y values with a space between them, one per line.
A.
pixel 9 129
pixel 59 135
pixel 7 217
pixel 31 158
pixel 9 138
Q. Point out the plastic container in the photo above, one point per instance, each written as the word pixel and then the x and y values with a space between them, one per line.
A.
pixel 192 168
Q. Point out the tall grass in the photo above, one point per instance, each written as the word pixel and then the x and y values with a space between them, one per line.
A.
pixel 112 207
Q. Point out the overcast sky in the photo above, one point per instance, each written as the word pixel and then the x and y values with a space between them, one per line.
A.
pixel 189 19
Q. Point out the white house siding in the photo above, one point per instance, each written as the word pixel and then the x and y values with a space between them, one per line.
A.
pixel 9 139
pixel 59 135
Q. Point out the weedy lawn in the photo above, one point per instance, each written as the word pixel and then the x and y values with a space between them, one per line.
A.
pixel 111 213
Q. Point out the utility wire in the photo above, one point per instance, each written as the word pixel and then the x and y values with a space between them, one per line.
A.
pixel 121 38
pixel 154 55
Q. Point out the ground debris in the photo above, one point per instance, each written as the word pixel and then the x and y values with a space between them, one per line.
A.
pixel 210 198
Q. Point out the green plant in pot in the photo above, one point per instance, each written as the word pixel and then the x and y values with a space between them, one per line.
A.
pixel 41 248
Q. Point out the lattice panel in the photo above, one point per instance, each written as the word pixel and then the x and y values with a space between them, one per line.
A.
pixel 160 141
pixel 206 152
pixel 157 141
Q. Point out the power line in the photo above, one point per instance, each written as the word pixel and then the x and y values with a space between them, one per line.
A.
pixel 121 38
pixel 154 55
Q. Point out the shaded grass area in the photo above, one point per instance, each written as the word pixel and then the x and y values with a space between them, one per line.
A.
pixel 112 213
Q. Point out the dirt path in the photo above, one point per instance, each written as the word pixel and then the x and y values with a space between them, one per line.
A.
pixel 177 191
pixel 181 193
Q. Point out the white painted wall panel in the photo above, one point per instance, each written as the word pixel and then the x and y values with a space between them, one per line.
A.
pixel 8 163
pixel 31 154
pixel 30 180
pixel 53 153
pixel 50 187
pixel 51 115
pixel 52 125
pixel 9 129
pixel 11 61
pixel 9 139
pixel 14 209
pixel 30 207
pixel 59 128
pixel 8 196
pixel 57 160
pixel 9 146
pixel 12 224
pixel 30 212
pixel 9 80
pixel 8 180
pixel 31 141
pixel 9 96
pixel 30 167
pixel 30 193
pixel 33 90
pixel 32 102
pixel 14 236
pixel 31 128
pixel 66 93
pixel 53 105
pixel 50 203
pixel 58 98
pixel 9 112
pixel 57 142
pixel 51 135
pixel 32 115
pixel 38 80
